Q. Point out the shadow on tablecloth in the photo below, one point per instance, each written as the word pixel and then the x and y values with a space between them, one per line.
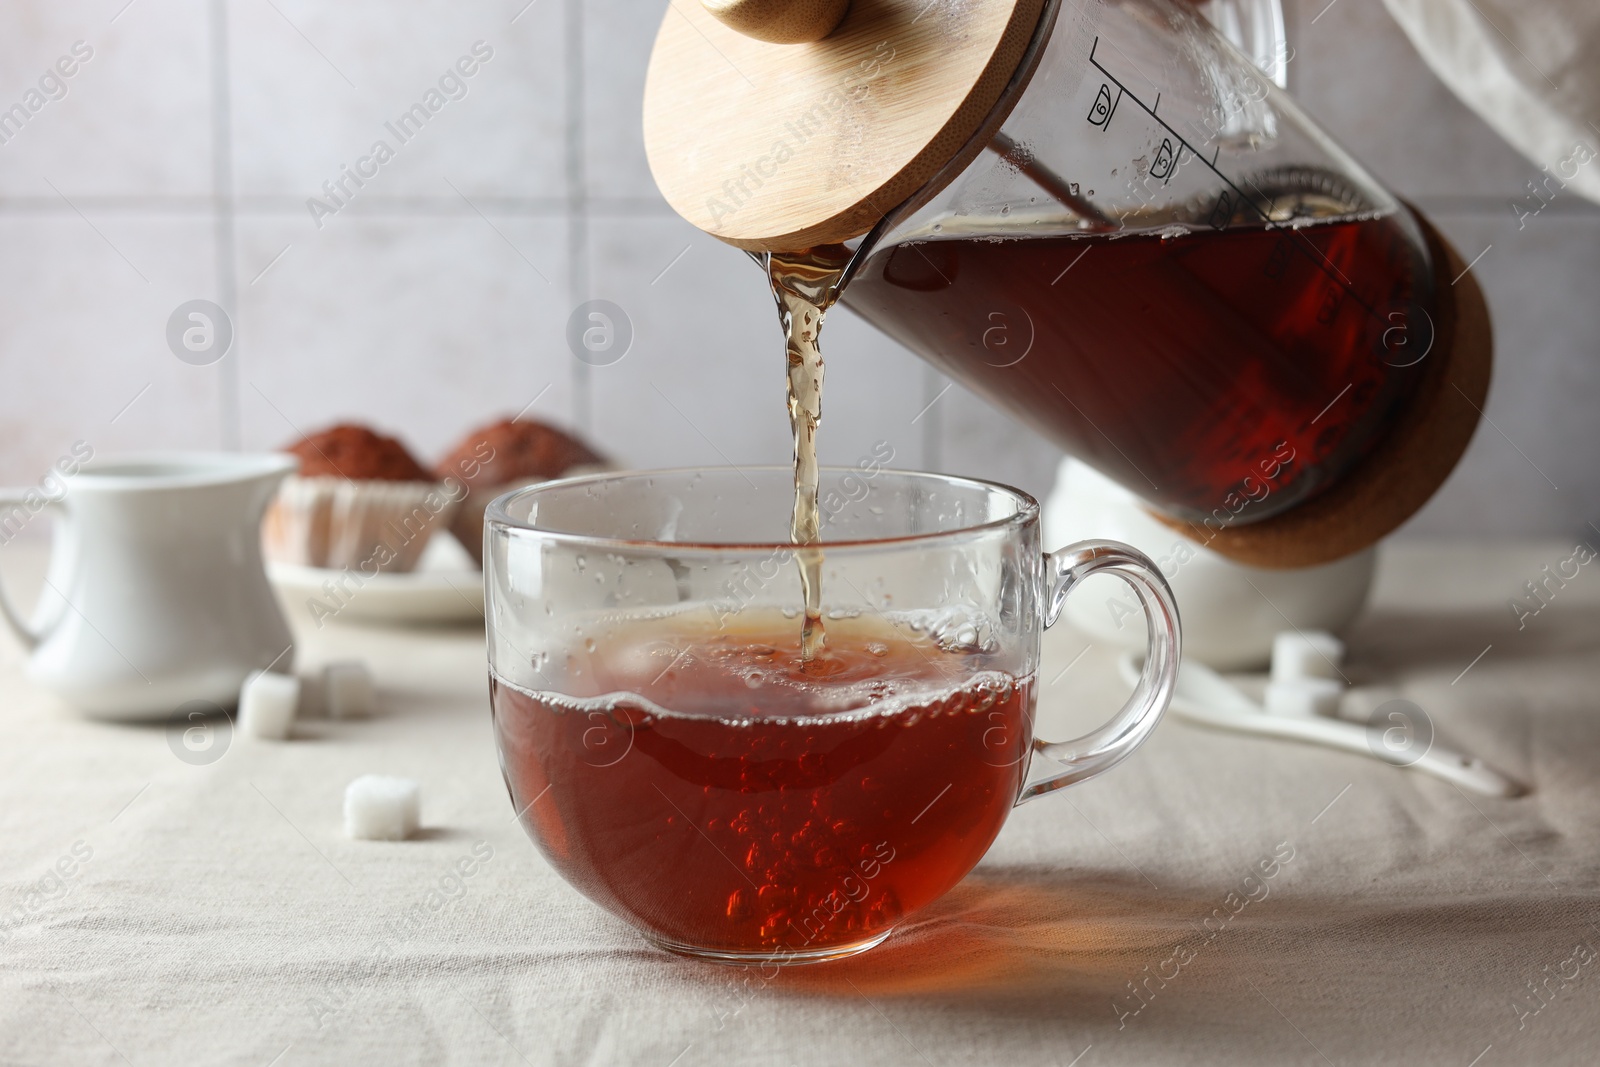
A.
pixel 1035 943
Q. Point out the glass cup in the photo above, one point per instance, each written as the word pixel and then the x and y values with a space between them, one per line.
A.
pixel 672 756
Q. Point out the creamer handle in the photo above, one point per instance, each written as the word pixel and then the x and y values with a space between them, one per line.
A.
pixel 11 500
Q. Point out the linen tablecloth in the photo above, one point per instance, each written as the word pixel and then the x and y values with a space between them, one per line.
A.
pixel 157 911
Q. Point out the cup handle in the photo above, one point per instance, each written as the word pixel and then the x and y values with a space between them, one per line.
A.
pixel 1114 742
pixel 25 634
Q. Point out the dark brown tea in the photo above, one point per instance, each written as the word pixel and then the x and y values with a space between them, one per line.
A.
pixel 1206 371
pixel 722 795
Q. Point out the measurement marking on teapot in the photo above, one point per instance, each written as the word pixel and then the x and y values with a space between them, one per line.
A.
pixel 1123 90
pixel 1101 112
pixel 1168 160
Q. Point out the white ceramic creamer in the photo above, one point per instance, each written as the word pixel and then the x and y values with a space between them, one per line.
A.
pixel 156 594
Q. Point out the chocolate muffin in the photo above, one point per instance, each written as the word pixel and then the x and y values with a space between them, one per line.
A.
pixel 359 454
pixel 507 455
pixel 360 502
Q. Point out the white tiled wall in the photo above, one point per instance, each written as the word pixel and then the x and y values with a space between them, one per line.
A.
pixel 179 163
pixel 1532 465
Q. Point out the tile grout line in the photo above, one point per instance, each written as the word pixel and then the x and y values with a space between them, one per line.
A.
pixel 933 428
pixel 375 206
pixel 228 384
pixel 421 203
pixel 582 410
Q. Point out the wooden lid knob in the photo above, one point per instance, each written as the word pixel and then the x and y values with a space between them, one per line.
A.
pixel 774 147
pixel 779 21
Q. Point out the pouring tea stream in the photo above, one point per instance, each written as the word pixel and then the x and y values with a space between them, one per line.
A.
pixel 1214 303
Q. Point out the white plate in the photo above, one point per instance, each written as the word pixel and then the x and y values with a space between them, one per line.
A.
pixel 445 587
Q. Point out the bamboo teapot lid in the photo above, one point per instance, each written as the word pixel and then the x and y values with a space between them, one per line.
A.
pixel 783 124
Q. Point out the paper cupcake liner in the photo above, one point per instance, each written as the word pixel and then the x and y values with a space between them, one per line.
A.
pixel 366 525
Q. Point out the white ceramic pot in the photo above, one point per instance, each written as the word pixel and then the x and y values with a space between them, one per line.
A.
pixel 1230 611
pixel 155 594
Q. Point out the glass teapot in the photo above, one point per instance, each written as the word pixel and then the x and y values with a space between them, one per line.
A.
pixel 1109 219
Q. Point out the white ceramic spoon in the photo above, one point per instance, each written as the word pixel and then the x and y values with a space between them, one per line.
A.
pixel 1204 697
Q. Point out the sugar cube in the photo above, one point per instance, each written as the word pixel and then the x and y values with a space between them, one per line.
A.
pixel 267 704
pixel 1304 696
pixel 347 690
pixel 1307 654
pixel 380 808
